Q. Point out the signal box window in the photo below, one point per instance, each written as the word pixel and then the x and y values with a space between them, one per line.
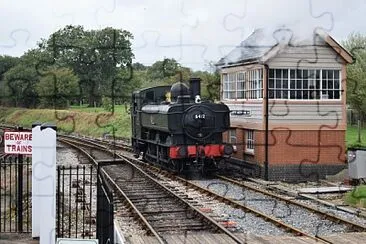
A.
pixel 243 85
pixel 249 145
pixel 232 138
pixel 304 84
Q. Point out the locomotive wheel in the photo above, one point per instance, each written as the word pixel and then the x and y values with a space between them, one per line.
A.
pixel 205 170
pixel 175 165
pixel 209 168
pixel 180 166
pixel 171 165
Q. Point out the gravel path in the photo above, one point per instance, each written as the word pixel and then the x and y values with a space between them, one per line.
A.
pixel 290 214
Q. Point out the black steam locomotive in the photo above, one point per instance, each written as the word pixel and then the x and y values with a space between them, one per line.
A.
pixel 173 128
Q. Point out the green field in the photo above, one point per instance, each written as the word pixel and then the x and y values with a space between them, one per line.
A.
pixel 87 121
pixel 118 109
pixel 352 137
pixel 96 121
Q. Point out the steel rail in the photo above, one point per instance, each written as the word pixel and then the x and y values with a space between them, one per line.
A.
pixel 235 204
pixel 202 215
pixel 331 217
pixel 97 142
pixel 139 214
pixel 356 212
pixel 231 202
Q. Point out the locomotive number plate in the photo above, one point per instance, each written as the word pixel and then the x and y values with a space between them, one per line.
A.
pixel 200 116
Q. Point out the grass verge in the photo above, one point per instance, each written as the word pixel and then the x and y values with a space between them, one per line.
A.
pixel 80 121
pixel 96 121
pixel 352 137
pixel 357 197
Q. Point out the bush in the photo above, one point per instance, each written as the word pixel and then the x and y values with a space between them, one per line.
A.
pixel 357 197
pixel 107 103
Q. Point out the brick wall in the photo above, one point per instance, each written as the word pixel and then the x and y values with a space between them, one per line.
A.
pixel 240 146
pixel 239 142
pixel 307 147
pixel 297 155
pixel 296 173
pixel 288 172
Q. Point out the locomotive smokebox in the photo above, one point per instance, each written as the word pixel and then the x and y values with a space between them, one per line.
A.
pixel 195 86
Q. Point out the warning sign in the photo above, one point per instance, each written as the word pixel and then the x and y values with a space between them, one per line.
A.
pixel 17 142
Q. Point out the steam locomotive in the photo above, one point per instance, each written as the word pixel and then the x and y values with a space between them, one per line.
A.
pixel 173 128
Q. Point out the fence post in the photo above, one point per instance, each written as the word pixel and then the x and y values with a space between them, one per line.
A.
pixel 58 232
pixel 20 190
pixel 46 171
pixel 36 159
pixel 111 216
pixel 359 130
pixel 99 231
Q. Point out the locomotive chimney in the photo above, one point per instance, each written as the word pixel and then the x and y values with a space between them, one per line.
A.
pixel 195 86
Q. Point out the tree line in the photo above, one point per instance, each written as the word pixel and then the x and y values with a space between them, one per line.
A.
pixel 78 66
pixel 356 74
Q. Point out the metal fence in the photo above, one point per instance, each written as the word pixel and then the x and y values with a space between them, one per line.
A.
pixel 76 201
pixel 84 204
pixel 15 194
pixel 105 211
pixel 353 117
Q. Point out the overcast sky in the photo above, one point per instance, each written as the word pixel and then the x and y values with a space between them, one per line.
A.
pixel 192 32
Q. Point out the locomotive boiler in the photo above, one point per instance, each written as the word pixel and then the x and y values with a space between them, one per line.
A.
pixel 173 128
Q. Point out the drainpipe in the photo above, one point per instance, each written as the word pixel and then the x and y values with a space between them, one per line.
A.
pixel 266 125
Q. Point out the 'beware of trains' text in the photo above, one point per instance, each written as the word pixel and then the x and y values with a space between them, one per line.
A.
pixel 18 142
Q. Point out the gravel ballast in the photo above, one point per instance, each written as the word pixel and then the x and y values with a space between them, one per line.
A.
pixel 296 216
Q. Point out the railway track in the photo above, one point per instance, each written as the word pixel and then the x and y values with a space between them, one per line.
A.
pixel 291 201
pixel 160 210
pixel 310 198
pixel 354 211
pixel 323 214
pixel 156 173
pixel 117 178
pixel 188 184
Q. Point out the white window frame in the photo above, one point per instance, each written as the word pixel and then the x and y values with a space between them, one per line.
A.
pixel 249 141
pixel 252 85
pixel 241 91
pixel 232 136
pixel 231 86
pixel 319 96
pixel 225 85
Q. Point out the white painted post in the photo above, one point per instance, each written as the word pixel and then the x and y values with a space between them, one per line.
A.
pixel 48 184
pixel 36 159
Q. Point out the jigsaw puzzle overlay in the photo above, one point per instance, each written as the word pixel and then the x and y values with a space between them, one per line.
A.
pixel 179 44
